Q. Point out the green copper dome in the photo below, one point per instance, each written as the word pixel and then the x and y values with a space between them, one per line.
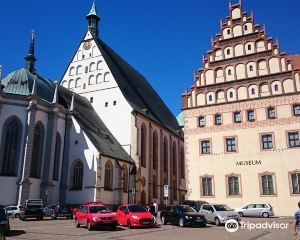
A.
pixel 21 81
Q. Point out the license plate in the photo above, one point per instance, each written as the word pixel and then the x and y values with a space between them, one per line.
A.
pixel 3 222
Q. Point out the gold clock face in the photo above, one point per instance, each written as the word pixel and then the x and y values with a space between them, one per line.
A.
pixel 87 45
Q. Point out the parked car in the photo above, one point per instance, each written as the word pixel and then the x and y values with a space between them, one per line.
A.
pixel 194 204
pixel 48 210
pixel 13 211
pixel 256 210
pixel 62 210
pixel 4 220
pixel 33 208
pixel 134 216
pixel 218 213
pixel 95 215
pixel 182 215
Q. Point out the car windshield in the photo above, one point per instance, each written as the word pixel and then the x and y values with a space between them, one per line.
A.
pixel 185 209
pixel 34 206
pixel 222 208
pixel 137 208
pixel 98 209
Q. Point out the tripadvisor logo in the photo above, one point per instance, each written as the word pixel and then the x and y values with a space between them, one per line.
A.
pixel 231 225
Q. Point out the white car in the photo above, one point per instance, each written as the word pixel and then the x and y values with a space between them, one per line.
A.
pixel 256 210
pixel 13 211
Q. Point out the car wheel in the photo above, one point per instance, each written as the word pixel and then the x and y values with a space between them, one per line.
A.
pixel 265 215
pixel 128 223
pixel 241 214
pixel 164 220
pixel 17 215
pixel 77 223
pixel 203 225
pixel 181 222
pixel 217 222
pixel 54 217
pixel 89 226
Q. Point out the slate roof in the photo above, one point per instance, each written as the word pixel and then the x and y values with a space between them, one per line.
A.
pixel 20 82
pixel 137 90
pixel 93 126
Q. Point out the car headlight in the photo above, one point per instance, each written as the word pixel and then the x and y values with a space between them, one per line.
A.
pixel 96 219
pixel 188 217
pixel 135 217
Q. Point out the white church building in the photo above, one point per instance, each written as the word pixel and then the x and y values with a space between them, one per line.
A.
pixel 102 134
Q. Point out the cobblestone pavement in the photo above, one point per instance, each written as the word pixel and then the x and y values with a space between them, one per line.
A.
pixel 65 229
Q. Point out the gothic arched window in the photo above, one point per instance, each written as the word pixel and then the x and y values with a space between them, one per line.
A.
pixel 124 177
pixel 57 157
pixel 11 138
pixel 108 178
pixel 166 156
pixel 182 163
pixel 155 150
pixel 37 151
pixel 77 176
pixel 143 145
pixel 174 165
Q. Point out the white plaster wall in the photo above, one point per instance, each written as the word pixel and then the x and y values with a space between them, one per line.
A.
pixel 236 13
pixel 209 77
pixel 239 50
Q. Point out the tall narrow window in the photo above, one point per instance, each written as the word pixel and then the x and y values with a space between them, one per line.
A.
pixel 166 156
pixel 182 163
pixel 245 27
pixel 252 91
pixel 77 176
pixel 276 88
pixel 295 177
pixel 249 47
pixel 296 110
pixel 271 113
pixel 233 185
pixel 124 178
pixel 56 157
pixel 228 31
pixel 267 142
pixel 108 178
pixel 143 145
pixel 229 72
pixel 154 187
pixel 228 52
pixel 210 98
pixel 231 95
pixel 37 151
pixel 293 138
pixel 174 165
pixel 250 67
pixel 155 150
pixel 11 147
pixel 267 184
pixel 207 186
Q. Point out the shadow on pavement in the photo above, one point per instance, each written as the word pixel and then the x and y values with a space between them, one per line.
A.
pixel 14 233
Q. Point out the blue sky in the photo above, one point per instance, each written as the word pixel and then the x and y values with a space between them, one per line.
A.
pixel 163 39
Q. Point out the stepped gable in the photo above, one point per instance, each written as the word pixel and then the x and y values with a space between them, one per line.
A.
pixel 241 54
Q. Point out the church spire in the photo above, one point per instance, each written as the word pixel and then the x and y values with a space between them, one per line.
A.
pixel 30 58
pixel 93 19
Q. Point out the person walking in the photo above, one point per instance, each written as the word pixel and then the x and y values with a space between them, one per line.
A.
pixel 155 210
pixel 297 223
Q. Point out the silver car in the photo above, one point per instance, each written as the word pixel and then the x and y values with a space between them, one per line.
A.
pixel 218 213
pixel 256 210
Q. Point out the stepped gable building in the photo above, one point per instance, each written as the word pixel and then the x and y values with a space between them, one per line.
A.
pixel 54 146
pixel 133 112
pixel 242 119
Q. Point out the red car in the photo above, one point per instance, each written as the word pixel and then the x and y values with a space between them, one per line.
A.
pixel 95 215
pixel 134 216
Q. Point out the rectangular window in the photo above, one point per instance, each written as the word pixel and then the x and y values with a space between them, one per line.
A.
pixel 115 103
pixel 293 139
pixel 233 186
pixel 106 104
pixel 218 119
pixel 207 186
pixel 237 117
pixel 201 121
pixel 295 183
pixel 250 115
pixel 271 113
pixel 205 147
pixel 230 144
pixel 296 110
pixel 91 100
pixel 267 142
pixel 267 185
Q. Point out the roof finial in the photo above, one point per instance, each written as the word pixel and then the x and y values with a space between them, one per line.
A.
pixel 30 58
pixel 34 86
pixel 93 19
